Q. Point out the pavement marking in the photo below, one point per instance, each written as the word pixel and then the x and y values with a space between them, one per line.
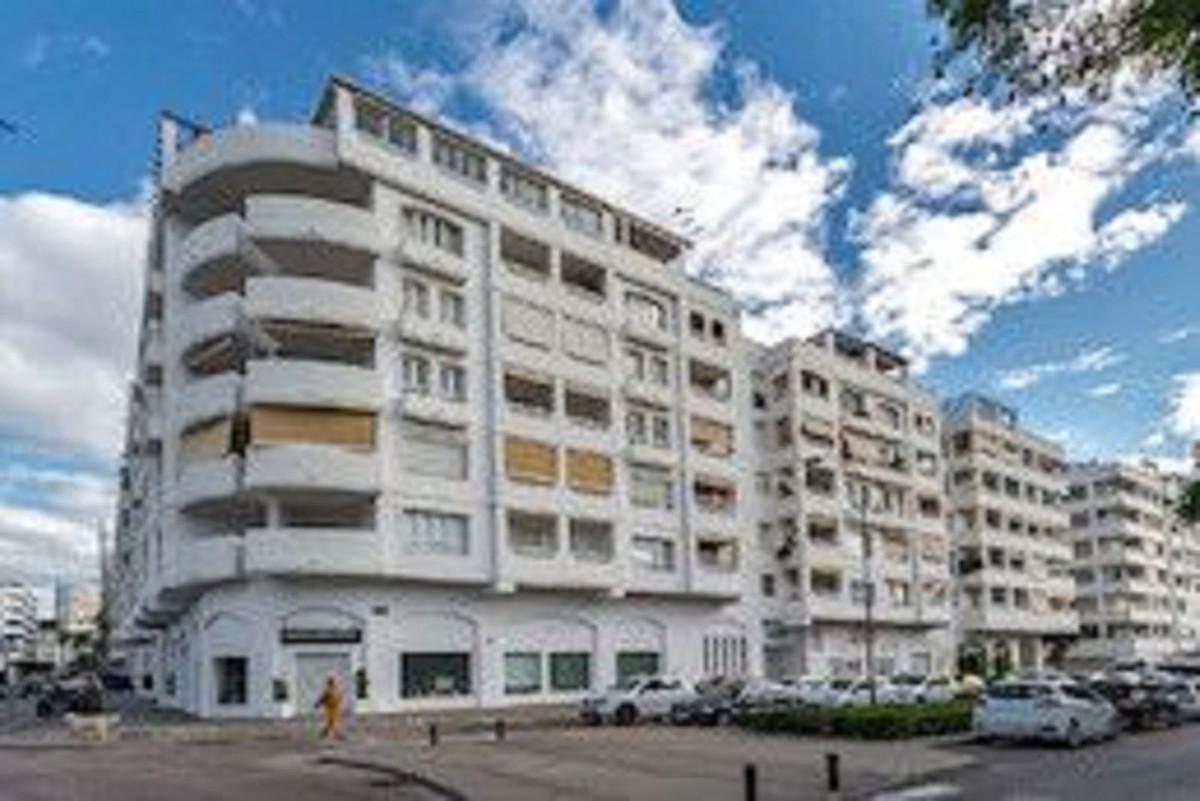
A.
pixel 924 792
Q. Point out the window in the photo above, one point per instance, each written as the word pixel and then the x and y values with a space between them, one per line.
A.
pixel 532 534
pixel 435 533
pixel 580 215
pixel 415 374
pixel 459 158
pixel 434 230
pixel 304 512
pixel 651 487
pixel 432 450
pixel 527 322
pixel 647 310
pixel 283 425
pixel 530 461
pixel 587 342
pixel 591 540
pixel 415 298
pixel 424 675
pixel 231 672
pixel 720 555
pixel 453 309
pixel 523 189
pixel 696 324
pixel 660 370
pixel 718 332
pixel 724 655
pixel 586 408
pixel 527 257
pixel 402 134
pixel 528 393
pixel 453 382
pixel 522 673
pixel 645 426
pixel 709 381
pixel 636 664
pixel 712 438
pixel 580 275
pixel 589 472
pixel 766 585
pixel 570 671
pixel 654 553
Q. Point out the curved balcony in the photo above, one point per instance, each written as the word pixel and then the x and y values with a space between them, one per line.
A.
pixel 244 146
pixel 207 481
pixel 313 551
pixel 431 407
pixel 311 383
pixel 226 242
pixel 311 467
pixel 431 258
pixel 208 560
pixel 207 398
pixel 285 298
pixel 206 319
pixel 312 219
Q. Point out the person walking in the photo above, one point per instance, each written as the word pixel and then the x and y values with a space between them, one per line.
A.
pixel 330 704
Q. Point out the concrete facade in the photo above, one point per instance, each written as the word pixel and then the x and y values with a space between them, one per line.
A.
pixel 1136 568
pixel 839 424
pixel 1015 590
pixel 418 415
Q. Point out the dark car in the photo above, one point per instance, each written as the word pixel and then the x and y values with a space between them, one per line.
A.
pixel 715 704
pixel 83 695
pixel 117 682
pixel 1141 703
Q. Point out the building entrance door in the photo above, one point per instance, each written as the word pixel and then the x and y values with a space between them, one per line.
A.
pixel 311 672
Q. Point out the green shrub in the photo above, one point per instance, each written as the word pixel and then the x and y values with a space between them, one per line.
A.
pixel 880 722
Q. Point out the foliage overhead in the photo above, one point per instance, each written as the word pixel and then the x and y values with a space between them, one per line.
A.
pixel 1187 509
pixel 1029 47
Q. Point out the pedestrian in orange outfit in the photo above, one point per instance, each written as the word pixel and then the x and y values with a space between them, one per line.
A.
pixel 330 703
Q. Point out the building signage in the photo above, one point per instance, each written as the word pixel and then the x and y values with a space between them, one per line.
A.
pixel 322 636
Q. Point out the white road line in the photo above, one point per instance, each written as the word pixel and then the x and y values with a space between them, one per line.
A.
pixel 925 792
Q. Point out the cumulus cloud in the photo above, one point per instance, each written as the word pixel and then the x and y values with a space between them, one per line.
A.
pixel 1092 360
pixel 989 205
pixel 1183 419
pixel 1178 334
pixel 42 47
pixel 1105 390
pixel 621 103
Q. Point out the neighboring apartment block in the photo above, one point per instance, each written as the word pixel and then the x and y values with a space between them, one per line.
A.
pixel 18 624
pixel 411 412
pixel 1012 545
pixel 837 422
pixel 1136 568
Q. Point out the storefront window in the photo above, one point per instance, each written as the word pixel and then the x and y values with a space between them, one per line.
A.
pixel 522 673
pixel 632 664
pixel 570 671
pixel 435 674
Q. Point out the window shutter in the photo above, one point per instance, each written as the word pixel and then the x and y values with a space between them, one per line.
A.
pixel 278 425
pixel 530 461
pixel 590 472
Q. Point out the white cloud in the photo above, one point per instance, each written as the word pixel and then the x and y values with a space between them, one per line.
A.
pixel 70 274
pixel 986 209
pixel 621 104
pixel 1092 360
pixel 1178 334
pixel 246 115
pixel 1105 390
pixel 1184 416
pixel 41 47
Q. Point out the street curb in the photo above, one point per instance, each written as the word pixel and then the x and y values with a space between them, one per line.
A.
pixel 401 776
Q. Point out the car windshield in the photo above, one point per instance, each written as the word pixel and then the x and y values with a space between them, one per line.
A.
pixel 840 684
pixel 1017 692
pixel 907 681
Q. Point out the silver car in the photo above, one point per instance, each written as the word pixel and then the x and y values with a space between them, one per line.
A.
pixel 1050 711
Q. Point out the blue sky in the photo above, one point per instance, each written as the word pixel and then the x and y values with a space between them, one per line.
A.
pixel 1047 265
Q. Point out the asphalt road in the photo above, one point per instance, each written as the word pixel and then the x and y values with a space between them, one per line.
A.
pixel 279 771
pixel 1151 766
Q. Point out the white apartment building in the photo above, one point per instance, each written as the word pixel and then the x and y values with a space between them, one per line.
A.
pixel 1012 544
pixel 836 421
pixel 418 415
pixel 1136 569
pixel 18 624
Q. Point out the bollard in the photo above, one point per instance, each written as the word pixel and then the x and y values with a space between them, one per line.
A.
pixel 433 734
pixel 833 776
pixel 750 776
pixel 501 730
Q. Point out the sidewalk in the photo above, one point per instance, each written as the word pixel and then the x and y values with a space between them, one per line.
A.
pixel 665 764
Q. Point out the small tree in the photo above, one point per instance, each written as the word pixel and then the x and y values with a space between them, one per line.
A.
pixel 1187 508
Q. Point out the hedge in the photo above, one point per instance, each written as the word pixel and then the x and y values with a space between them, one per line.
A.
pixel 880 722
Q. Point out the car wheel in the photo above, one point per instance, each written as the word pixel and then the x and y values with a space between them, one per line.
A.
pixel 626 715
pixel 1074 735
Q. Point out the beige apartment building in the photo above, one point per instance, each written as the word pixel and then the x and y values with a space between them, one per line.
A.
pixel 1136 568
pixel 1012 545
pixel 417 414
pixel 838 421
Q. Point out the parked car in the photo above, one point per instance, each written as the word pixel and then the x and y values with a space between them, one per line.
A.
pixel 808 689
pixel 859 692
pixel 80 694
pixel 717 705
pixel 913 689
pixel 761 692
pixel 1142 701
pixel 829 691
pixel 1051 711
pixel 642 698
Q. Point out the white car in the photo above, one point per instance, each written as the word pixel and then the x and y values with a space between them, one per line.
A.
pixel 808 689
pixel 640 698
pixel 859 692
pixel 911 689
pixel 1036 710
pixel 765 692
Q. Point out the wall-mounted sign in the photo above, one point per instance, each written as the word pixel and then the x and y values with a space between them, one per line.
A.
pixel 315 636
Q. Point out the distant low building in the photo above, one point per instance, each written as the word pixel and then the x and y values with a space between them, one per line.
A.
pixel 18 623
